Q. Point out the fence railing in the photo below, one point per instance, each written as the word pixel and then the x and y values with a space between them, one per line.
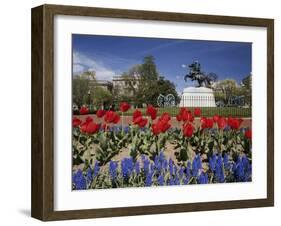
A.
pixel 198 101
pixel 173 111
pixel 205 111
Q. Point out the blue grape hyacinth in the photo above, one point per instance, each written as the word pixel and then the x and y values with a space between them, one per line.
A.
pixel 137 167
pixel 127 167
pixel 226 162
pixel 96 169
pixel 79 180
pixel 219 170
pixel 242 169
pixel 203 178
pixel 212 162
pixel 196 165
pixel 149 179
pixel 146 164
pixel 89 175
pixel 113 169
pixel 160 171
pixel 171 167
pixel 160 180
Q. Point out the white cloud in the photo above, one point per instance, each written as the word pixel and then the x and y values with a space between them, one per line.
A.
pixel 83 63
pixel 77 68
pixel 161 46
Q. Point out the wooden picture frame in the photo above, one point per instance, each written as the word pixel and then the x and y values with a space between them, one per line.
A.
pixel 43 111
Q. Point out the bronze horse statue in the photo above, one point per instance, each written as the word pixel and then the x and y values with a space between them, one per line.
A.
pixel 195 74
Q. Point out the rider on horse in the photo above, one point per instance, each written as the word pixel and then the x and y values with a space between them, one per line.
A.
pixel 195 68
pixel 203 79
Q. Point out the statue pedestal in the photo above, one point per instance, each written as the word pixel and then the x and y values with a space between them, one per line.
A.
pixel 197 97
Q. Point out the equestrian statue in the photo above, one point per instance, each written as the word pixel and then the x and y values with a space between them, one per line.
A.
pixel 203 79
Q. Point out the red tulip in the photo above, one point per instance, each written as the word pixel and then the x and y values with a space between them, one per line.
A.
pixel 116 119
pixel 222 122
pixel 76 122
pixel 140 121
pixel 143 122
pixel 216 118
pixel 206 123
pixel 188 130
pixel 155 129
pixel 179 118
pixel 162 124
pixel 191 118
pixel 248 134
pixel 84 110
pixel 111 117
pixel 92 128
pixel 183 115
pixel 100 113
pixel 89 119
pixel 137 120
pixel 84 125
pixel 186 115
pixel 104 127
pixel 234 123
pixel 137 113
pixel 210 123
pixel 183 110
pixel 124 106
pixel 151 111
pixel 197 112
pixel 165 117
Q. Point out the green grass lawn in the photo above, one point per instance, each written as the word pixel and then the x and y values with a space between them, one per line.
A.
pixel 205 111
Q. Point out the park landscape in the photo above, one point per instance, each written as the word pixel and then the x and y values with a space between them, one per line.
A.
pixel 127 133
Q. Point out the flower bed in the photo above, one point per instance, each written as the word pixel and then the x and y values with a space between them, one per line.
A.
pixel 173 111
pixel 150 152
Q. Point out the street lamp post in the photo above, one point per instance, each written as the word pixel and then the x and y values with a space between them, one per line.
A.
pixel 89 97
pixel 89 100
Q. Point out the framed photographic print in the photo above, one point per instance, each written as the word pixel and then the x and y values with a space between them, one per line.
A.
pixel 141 112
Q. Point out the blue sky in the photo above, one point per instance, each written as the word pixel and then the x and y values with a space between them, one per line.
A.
pixel 112 55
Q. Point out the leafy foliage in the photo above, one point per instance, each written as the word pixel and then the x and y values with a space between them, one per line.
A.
pixel 140 83
pixel 215 150
pixel 160 172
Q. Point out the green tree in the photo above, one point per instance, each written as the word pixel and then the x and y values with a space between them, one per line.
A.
pixel 225 89
pixel 246 88
pixel 151 84
pixel 148 69
pixel 143 84
pixel 80 87
pixel 228 88
pixel 87 91
pixel 101 96
pixel 247 82
pixel 166 87
pixel 148 77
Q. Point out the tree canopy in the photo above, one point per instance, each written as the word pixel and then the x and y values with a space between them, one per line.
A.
pixel 141 84
pixel 80 88
pixel 229 88
pixel 151 84
pixel 87 91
